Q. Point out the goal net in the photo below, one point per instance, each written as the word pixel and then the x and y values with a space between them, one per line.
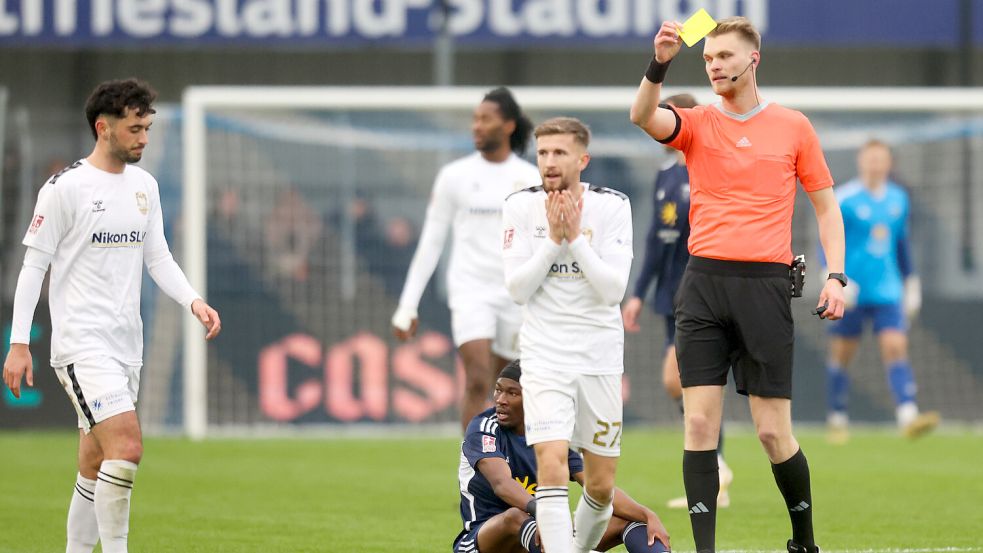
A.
pixel 300 209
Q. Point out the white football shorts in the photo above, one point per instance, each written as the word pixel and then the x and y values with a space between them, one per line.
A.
pixel 497 320
pixel 583 409
pixel 100 387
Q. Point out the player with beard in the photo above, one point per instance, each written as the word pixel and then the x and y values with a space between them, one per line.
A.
pixel 96 223
pixel 567 248
pixel 498 473
pixel 467 196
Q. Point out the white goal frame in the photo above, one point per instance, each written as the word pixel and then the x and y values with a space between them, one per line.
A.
pixel 197 100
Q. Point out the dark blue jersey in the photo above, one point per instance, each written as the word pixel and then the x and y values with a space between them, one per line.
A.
pixel 485 439
pixel 665 245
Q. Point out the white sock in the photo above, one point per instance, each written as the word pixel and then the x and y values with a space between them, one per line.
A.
pixel 553 519
pixel 83 531
pixel 906 412
pixel 838 419
pixel 590 520
pixel 113 489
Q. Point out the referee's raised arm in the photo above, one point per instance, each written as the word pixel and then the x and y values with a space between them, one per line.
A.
pixel 658 122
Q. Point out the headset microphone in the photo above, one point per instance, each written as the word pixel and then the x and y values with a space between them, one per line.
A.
pixel 734 78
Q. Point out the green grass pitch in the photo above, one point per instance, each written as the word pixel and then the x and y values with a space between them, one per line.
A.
pixel 879 493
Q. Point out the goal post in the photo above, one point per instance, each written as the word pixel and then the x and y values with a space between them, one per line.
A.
pixel 295 114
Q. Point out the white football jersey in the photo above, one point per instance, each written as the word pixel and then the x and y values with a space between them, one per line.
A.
pixel 566 326
pixel 467 195
pixel 98 226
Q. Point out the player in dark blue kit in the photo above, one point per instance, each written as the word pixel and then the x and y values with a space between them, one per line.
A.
pixel 665 260
pixel 886 291
pixel 498 477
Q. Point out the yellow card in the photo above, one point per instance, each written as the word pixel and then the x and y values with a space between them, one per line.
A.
pixel 697 27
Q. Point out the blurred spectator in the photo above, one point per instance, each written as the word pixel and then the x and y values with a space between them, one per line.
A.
pixel 291 231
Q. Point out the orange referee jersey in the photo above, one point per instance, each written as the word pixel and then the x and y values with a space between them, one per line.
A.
pixel 742 171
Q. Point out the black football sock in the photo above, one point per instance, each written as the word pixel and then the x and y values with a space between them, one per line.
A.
pixel 792 477
pixel 702 481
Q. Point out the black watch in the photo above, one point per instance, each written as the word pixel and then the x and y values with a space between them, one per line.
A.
pixel 838 276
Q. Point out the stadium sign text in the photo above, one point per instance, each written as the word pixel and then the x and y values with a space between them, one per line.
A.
pixel 317 22
pixel 355 380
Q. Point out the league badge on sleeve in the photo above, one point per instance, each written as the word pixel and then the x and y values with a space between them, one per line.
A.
pixel 509 235
pixel 487 444
pixel 142 204
pixel 36 224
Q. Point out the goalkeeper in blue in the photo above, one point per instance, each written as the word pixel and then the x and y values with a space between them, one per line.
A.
pixel 884 290
pixel 497 478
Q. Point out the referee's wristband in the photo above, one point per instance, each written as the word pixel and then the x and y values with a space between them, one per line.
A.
pixel 656 73
pixel 531 507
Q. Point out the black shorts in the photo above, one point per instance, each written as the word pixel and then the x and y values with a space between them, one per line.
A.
pixel 735 314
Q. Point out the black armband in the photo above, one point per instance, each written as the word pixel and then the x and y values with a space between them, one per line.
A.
pixel 531 507
pixel 656 73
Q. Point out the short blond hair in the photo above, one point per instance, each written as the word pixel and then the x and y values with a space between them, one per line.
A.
pixel 740 25
pixel 565 125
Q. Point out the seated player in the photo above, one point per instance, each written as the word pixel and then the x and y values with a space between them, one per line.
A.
pixel 497 478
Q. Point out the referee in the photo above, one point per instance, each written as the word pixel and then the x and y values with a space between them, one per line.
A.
pixel 733 307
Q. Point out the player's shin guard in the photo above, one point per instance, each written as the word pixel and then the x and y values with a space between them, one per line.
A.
pixel 792 477
pixel 553 518
pixel 83 531
pixel 527 536
pixel 635 538
pixel 590 520
pixel 113 489
pixel 702 481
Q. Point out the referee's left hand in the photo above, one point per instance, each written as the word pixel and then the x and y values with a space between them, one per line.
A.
pixel 208 317
pixel 833 294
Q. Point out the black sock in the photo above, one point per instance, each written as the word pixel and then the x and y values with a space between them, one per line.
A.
pixel 702 481
pixel 527 535
pixel 792 477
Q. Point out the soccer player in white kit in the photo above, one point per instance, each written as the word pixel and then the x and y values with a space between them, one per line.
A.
pixel 468 195
pixel 96 223
pixel 567 248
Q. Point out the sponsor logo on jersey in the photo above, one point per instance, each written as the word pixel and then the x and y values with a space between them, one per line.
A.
pixel 36 224
pixel 565 271
pixel 485 210
pixel 880 232
pixel 97 206
pixel 669 215
pixel 142 203
pixel 487 444
pixel 540 232
pixel 668 236
pixel 118 239
pixel 530 487
pixel 509 235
